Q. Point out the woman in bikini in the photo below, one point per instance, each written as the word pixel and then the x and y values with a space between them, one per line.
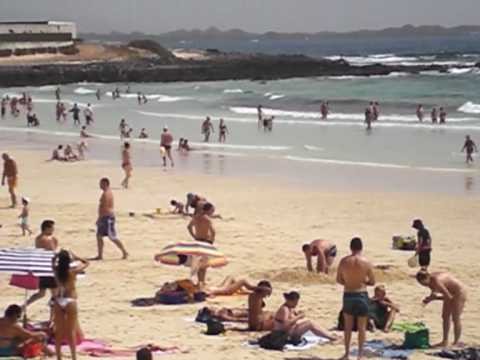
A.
pixel 126 164
pixel 65 310
pixel 222 131
pixel 293 322
pixel 259 319
pixel 230 286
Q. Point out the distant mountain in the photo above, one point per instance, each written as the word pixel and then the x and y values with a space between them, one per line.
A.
pixel 237 34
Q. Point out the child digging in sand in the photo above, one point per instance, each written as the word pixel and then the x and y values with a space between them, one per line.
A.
pixel 24 217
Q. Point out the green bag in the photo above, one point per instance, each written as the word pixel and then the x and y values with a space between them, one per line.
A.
pixel 419 339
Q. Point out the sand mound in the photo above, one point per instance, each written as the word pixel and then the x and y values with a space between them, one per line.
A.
pixel 383 274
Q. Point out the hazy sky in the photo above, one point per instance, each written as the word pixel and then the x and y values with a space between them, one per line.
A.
pixel 156 16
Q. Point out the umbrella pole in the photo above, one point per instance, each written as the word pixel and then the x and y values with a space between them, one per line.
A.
pixel 25 309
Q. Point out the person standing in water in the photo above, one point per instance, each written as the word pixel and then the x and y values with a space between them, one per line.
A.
pixel 75 110
pixel 207 129
pixel 420 113
pixel 469 146
pixel 368 117
pixel 324 110
pixel 126 164
pixel 222 131
pixel 260 116
pixel 376 110
pixel 166 142
pixel 57 94
pixel 443 116
pixel 434 115
pixel 98 94
pixel 355 273
pixel 106 221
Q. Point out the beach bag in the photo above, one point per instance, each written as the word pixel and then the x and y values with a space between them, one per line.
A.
pixel 407 243
pixel 32 350
pixel 214 327
pixel 419 339
pixel 276 340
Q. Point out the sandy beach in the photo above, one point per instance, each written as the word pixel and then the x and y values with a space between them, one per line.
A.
pixel 265 223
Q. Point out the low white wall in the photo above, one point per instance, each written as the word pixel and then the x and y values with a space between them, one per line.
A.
pixel 33 45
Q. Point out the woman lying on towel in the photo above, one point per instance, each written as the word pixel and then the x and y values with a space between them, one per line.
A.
pixel 230 286
pixel 222 314
pixel 287 319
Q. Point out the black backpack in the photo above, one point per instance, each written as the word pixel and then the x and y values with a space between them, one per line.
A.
pixel 276 340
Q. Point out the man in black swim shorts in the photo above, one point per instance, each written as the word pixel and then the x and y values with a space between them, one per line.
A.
pixel 355 273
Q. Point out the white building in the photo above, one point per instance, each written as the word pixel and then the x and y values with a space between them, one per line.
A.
pixel 36 37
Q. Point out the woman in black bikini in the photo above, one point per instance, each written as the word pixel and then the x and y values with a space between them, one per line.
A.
pixel 222 131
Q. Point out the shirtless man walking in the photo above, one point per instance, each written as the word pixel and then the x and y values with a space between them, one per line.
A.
pixel 201 226
pixel 325 252
pixel 106 221
pixel 166 141
pixel 10 174
pixel 454 296
pixel 469 146
pixel 126 164
pixel 355 273
pixel 47 241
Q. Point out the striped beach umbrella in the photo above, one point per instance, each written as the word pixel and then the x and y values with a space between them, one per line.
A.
pixel 170 254
pixel 25 261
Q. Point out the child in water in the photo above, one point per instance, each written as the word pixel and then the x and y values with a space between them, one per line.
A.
pixel 24 217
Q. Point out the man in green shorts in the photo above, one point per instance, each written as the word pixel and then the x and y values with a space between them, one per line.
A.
pixel 355 273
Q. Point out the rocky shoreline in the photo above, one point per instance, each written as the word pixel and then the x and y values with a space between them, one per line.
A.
pixel 216 68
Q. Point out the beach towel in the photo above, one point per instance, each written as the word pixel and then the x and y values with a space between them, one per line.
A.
pixel 308 341
pixel 379 348
pixel 99 348
pixel 463 354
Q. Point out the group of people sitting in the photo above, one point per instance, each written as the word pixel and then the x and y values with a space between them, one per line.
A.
pixel 66 153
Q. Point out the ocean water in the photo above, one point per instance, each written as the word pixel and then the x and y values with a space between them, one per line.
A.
pixel 399 154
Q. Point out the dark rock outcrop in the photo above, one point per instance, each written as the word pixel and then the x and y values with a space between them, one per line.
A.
pixel 220 67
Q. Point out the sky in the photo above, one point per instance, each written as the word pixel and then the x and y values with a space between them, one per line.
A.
pixel 158 16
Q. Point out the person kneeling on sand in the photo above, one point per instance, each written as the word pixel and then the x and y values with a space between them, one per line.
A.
pixel 287 319
pixel 325 252
pixel 258 319
pixel 383 309
pixel 178 207
pixel 454 296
